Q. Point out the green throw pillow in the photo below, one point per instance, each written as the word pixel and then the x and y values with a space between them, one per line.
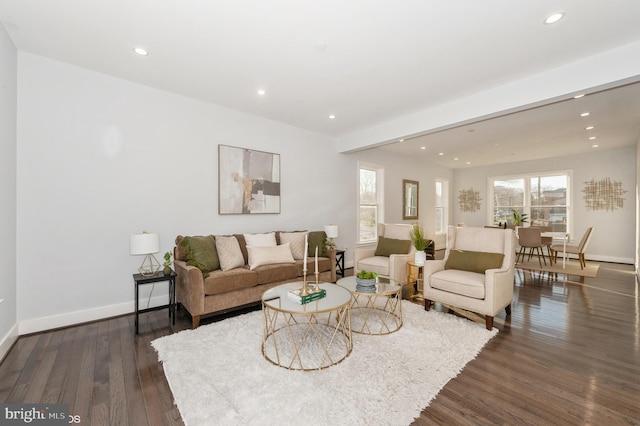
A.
pixel 473 261
pixel 389 246
pixel 317 239
pixel 202 253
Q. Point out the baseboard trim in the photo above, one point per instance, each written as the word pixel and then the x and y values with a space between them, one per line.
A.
pixel 7 341
pixel 66 319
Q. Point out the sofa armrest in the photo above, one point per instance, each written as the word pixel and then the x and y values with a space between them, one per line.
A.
pixel 430 268
pixel 398 267
pixel 189 287
pixel 331 254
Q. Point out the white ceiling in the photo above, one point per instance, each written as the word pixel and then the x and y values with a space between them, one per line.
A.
pixel 366 61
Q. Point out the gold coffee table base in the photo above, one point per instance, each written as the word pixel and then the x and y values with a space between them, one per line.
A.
pixel 306 337
pixel 375 313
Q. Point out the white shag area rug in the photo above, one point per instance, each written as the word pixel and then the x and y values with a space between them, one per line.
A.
pixel 219 376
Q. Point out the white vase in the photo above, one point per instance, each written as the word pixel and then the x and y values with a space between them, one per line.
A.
pixel 420 257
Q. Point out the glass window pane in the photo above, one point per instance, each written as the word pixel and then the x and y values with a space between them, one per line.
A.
pixel 508 193
pixel 368 221
pixel 439 219
pixel 368 186
pixel 438 194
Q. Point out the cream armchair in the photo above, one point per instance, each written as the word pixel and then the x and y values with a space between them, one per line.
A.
pixel 393 266
pixel 457 279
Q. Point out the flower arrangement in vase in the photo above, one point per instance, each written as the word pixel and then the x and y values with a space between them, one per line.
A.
pixel 420 243
pixel 167 264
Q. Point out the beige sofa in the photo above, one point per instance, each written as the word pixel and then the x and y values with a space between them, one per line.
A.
pixel 211 286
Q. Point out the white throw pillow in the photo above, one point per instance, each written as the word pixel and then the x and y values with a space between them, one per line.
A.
pixel 296 240
pixel 229 253
pixel 261 240
pixel 268 255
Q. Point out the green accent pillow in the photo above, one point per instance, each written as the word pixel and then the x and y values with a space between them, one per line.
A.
pixel 202 253
pixel 317 239
pixel 389 246
pixel 473 261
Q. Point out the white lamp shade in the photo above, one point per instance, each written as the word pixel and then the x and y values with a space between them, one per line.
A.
pixel 145 243
pixel 331 231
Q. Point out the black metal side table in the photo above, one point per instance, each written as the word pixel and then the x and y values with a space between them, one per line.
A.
pixel 139 280
pixel 340 262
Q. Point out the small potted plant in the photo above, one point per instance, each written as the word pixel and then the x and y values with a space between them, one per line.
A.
pixel 519 219
pixel 366 278
pixel 167 263
pixel 420 243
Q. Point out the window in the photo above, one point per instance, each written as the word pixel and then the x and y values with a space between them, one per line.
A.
pixel 544 198
pixel 442 201
pixel 370 195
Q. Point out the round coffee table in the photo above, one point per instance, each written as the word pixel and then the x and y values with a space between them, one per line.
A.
pixel 311 336
pixel 377 311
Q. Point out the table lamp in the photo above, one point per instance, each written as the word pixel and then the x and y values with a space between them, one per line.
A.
pixel 146 244
pixel 332 232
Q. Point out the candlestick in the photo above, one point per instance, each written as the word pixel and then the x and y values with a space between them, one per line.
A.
pixel 306 248
pixel 316 260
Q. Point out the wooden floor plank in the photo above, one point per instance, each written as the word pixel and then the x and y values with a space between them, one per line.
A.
pixel 568 354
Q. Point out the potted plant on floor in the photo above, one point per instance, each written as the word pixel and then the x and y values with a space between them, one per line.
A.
pixel 420 243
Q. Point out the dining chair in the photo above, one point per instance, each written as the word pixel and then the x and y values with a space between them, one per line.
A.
pixel 573 249
pixel 546 241
pixel 530 238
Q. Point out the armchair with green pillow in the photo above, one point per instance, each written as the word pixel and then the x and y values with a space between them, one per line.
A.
pixel 390 256
pixel 476 274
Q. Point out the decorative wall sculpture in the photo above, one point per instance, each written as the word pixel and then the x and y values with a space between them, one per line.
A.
pixel 603 194
pixel 469 200
pixel 248 181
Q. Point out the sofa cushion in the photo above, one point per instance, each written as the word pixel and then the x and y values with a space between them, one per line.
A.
pixel 317 239
pixel 379 264
pixel 296 242
pixel 389 246
pixel 473 261
pixel 276 272
pixel 220 281
pixel 229 252
pixel 259 256
pixel 201 252
pixel 324 264
pixel 470 284
pixel 260 240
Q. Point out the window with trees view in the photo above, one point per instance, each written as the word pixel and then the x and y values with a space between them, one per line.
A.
pixel 544 198
pixel 370 182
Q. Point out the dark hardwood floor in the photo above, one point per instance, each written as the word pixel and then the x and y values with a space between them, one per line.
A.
pixel 569 355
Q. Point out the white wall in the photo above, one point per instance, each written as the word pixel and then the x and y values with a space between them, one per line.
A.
pixel 8 96
pixel 399 167
pixel 100 158
pixel 614 231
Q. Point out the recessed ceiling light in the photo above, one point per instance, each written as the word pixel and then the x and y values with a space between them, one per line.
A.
pixel 589 128
pixel 456 159
pixel 585 114
pixel 468 162
pixel 423 147
pixel 595 145
pixel 553 18
pixel 140 51
pixel 592 138
pixel 401 140
pixel 441 154
pixel 261 92
pixel 578 96
pixel 332 116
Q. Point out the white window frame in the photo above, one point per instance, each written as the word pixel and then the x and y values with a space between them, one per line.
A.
pixel 379 199
pixel 527 193
pixel 444 207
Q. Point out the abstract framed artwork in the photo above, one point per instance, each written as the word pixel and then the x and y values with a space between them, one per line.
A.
pixel 248 181
pixel 469 200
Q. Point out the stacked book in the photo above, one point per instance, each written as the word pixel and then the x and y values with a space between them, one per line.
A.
pixel 313 295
